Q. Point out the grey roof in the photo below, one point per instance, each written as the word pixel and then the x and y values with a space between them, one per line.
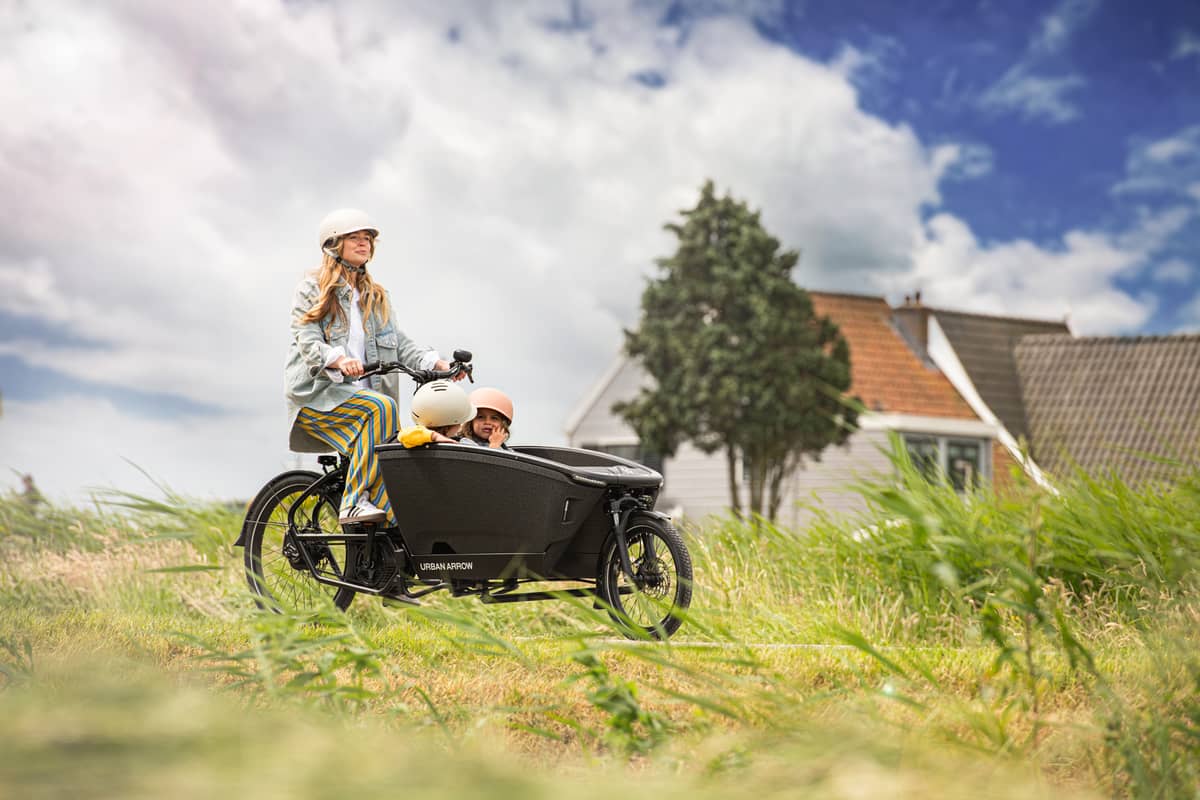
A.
pixel 1099 402
pixel 984 344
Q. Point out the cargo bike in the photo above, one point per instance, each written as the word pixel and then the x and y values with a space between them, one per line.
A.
pixel 527 524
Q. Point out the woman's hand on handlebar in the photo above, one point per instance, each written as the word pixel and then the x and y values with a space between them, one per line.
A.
pixel 349 366
pixel 442 364
pixel 442 370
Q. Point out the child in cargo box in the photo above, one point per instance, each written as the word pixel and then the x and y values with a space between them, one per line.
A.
pixel 493 418
pixel 439 408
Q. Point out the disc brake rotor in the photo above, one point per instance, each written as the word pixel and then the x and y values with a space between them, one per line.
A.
pixel 651 577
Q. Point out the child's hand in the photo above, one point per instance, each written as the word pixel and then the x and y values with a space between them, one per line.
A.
pixel 437 437
pixel 499 436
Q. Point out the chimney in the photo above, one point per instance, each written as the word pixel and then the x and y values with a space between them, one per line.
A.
pixel 912 321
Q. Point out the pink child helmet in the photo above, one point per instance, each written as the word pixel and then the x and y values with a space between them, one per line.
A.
pixel 496 400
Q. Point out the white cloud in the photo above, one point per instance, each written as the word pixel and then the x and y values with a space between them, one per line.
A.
pixel 1025 88
pixel 1187 45
pixel 863 66
pixel 1170 165
pixel 1033 96
pixel 165 203
pixel 962 160
pixel 1056 28
pixel 1166 150
pixel 77 443
pixel 31 285
pixel 1174 270
pixel 954 270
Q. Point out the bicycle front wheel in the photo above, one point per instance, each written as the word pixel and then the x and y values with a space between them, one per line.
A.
pixel 652 604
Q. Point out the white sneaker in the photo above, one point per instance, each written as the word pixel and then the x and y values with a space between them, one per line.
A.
pixel 362 511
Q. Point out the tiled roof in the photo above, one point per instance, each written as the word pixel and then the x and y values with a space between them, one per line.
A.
pixel 1099 401
pixel 884 371
pixel 984 344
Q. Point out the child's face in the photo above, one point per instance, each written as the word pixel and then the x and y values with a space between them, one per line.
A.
pixel 487 421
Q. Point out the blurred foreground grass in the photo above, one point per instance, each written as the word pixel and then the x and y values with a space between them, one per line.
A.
pixel 113 729
pixel 1025 645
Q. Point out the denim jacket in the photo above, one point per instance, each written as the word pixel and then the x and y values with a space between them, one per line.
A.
pixel 308 384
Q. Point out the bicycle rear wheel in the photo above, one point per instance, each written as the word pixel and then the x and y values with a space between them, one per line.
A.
pixel 275 565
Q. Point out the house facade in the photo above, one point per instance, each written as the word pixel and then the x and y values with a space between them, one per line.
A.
pixel 943 381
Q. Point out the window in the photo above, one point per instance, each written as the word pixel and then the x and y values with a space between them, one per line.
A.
pixel 964 462
pixel 633 452
pixel 924 452
pixel 961 461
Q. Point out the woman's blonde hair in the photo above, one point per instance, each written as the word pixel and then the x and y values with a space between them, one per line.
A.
pixel 371 295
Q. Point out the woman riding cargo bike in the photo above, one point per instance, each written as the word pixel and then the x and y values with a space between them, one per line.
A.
pixel 401 522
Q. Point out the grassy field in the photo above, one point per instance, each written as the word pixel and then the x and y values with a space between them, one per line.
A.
pixel 1032 645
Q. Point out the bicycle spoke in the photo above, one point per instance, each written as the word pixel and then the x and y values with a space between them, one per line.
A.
pixel 279 562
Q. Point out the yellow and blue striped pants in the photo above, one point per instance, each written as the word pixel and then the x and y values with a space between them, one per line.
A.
pixel 353 429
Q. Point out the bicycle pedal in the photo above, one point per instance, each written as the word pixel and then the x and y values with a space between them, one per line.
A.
pixel 400 600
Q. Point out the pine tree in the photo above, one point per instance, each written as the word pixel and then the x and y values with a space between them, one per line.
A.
pixel 740 361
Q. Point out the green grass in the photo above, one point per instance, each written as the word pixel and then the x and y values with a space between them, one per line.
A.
pixel 1024 645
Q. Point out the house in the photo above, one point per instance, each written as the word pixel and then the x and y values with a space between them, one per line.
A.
pixel 946 382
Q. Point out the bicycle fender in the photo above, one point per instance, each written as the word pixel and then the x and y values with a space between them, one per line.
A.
pixel 241 539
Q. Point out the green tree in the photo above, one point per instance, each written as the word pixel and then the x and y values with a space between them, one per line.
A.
pixel 740 360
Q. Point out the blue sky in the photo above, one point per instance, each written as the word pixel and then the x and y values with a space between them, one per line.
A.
pixel 171 161
pixel 1060 99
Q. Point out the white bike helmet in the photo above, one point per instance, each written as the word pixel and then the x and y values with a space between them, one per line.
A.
pixel 345 220
pixel 440 403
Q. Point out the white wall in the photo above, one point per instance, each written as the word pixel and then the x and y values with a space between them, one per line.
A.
pixel 697 484
pixel 828 484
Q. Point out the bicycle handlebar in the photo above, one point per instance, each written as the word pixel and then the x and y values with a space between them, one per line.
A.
pixel 461 364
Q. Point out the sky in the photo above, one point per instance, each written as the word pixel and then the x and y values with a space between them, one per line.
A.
pixel 165 166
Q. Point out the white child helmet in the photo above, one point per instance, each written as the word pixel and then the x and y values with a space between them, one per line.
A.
pixel 341 222
pixel 440 403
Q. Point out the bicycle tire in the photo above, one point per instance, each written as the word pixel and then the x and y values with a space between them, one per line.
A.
pixel 652 605
pixel 277 576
